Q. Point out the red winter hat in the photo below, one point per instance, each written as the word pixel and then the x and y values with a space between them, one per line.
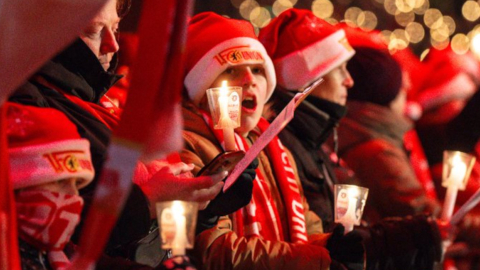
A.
pixel 216 43
pixel 44 146
pixel 303 47
pixel 360 38
pixel 450 77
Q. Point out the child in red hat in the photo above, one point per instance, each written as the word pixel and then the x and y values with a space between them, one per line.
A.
pixel 275 230
pixel 49 163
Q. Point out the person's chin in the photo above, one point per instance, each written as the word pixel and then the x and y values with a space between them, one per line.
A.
pixel 248 123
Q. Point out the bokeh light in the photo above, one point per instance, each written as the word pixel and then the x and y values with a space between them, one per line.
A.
pixel 404 19
pixel 415 32
pixel 433 18
pixel 331 20
pixel 440 45
pixel 450 24
pixel 460 43
pixel 471 10
pixel 367 20
pixel 236 3
pixel 391 7
pixel 439 34
pixel 247 7
pixel 405 6
pixel 288 2
pixel 351 16
pixel 322 8
pixel 424 54
pixel 386 34
pixel 278 8
pixel 422 7
pixel 399 40
pixel 475 45
pixel 260 17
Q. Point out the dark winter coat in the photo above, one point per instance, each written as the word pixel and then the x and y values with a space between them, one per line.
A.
pixel 313 123
pixel 31 258
pixel 371 143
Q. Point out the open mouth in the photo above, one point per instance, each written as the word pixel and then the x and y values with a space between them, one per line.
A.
pixel 249 103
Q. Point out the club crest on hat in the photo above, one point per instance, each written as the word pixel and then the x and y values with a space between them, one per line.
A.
pixel 44 146
pixel 238 55
pixel 70 161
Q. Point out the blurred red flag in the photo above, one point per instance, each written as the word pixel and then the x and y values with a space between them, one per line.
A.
pixel 33 31
pixel 9 253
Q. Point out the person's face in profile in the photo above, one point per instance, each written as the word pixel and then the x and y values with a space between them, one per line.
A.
pixel 66 186
pixel 335 86
pixel 100 34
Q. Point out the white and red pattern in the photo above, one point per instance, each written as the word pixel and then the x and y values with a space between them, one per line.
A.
pixel 260 217
pixel 47 220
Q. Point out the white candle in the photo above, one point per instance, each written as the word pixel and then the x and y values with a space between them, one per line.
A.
pixel 350 218
pixel 179 242
pixel 225 121
pixel 454 180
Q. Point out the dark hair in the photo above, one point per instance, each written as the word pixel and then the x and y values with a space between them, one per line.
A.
pixel 377 76
pixel 123 6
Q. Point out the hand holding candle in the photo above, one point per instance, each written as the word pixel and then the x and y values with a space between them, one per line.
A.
pixel 177 220
pixel 348 211
pixel 224 105
pixel 456 170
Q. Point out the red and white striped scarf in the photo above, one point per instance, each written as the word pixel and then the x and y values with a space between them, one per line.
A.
pixel 260 217
pixel 47 220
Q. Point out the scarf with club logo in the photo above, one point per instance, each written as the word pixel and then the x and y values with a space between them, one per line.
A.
pixel 47 220
pixel 260 217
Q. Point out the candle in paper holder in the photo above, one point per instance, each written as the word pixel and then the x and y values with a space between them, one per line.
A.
pixel 349 204
pixel 225 107
pixel 457 167
pixel 176 224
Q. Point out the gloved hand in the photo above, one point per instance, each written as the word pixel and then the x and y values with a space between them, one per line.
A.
pixel 236 197
pixel 347 249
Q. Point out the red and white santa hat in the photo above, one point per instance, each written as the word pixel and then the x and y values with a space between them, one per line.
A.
pixel 304 47
pixel 451 77
pixel 44 146
pixel 216 43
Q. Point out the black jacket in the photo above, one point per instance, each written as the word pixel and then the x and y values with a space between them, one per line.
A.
pixel 313 123
pixel 78 72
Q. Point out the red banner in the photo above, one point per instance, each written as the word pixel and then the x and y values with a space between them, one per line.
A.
pixel 9 252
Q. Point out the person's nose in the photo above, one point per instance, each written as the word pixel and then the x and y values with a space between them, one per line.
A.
pixel 348 80
pixel 109 42
pixel 248 79
pixel 71 187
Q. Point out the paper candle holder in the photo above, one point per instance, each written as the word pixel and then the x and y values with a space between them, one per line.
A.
pixel 349 204
pixel 457 167
pixel 225 100
pixel 176 225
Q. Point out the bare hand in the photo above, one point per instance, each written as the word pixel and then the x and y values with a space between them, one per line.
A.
pixel 174 183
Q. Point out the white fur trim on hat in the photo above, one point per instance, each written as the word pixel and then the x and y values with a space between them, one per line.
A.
pixel 300 68
pixel 459 87
pixel 46 163
pixel 215 62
